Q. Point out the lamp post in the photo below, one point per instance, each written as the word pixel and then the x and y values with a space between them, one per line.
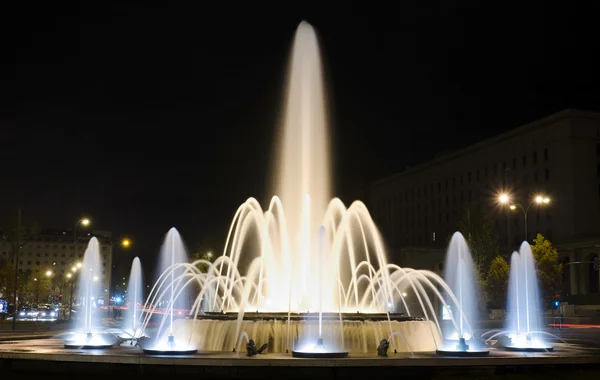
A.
pixel 71 276
pixel 14 321
pixel 539 200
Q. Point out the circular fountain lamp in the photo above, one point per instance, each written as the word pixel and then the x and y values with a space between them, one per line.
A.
pixel 462 349
pixel 170 349
pixel 471 353
pixel 91 341
pixel 528 344
pixel 171 352
pixel 319 352
pixel 529 349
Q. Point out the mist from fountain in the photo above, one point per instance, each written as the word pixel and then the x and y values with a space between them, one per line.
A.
pixel 525 313
pixel 88 324
pixel 132 324
pixel 315 255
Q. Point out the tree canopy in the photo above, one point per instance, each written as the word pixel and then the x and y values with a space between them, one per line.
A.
pixel 496 282
pixel 547 266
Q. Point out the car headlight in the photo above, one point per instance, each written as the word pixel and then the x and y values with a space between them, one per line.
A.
pixel 43 314
pixel 22 313
pixel 52 314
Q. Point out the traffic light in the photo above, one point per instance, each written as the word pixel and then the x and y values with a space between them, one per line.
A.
pixel 556 303
pixel 60 297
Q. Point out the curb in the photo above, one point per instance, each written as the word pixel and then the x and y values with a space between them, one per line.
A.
pixel 25 337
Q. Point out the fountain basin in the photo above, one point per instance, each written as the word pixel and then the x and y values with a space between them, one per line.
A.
pixel 459 347
pixel 167 348
pixel 283 316
pixel 317 355
pixel 359 335
pixel 471 353
pixel 91 341
pixel 171 352
pixel 318 351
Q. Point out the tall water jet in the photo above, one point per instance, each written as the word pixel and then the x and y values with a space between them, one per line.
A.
pixel 525 314
pixel 303 182
pixel 171 295
pixel 88 325
pixel 131 325
pixel 461 276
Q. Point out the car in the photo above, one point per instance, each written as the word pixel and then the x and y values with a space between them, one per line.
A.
pixel 47 313
pixel 27 313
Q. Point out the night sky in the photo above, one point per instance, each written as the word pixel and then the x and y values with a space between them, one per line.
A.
pixel 146 117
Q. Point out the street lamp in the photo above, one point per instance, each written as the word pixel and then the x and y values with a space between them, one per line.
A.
pixel 70 276
pixel 503 198
pixel 538 200
pixel 74 269
pixel 125 243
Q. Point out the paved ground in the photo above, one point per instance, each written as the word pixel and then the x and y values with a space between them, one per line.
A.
pixel 576 355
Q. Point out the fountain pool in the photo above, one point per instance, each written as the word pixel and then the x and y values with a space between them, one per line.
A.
pixel 307 257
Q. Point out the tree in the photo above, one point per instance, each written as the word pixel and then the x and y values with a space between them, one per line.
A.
pixel 476 227
pixel 7 279
pixel 496 282
pixel 38 284
pixel 547 267
pixel 207 255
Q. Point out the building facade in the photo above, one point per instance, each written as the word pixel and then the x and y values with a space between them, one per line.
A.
pixel 55 252
pixel 558 157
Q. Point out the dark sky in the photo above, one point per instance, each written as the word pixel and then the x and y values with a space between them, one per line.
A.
pixel 146 117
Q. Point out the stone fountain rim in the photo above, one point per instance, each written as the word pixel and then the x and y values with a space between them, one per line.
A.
pixel 399 317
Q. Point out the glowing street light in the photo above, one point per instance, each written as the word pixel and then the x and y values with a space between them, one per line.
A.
pixel 48 273
pixel 538 200
pixel 125 243
pixel 79 265
pixel 85 221
pixel 69 275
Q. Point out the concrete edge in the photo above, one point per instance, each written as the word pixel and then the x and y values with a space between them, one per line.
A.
pixel 298 362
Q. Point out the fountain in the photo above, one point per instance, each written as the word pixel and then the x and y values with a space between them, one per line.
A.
pixel 460 275
pixel 131 327
pixel 170 290
pixel 316 280
pixel 87 333
pixel 525 313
